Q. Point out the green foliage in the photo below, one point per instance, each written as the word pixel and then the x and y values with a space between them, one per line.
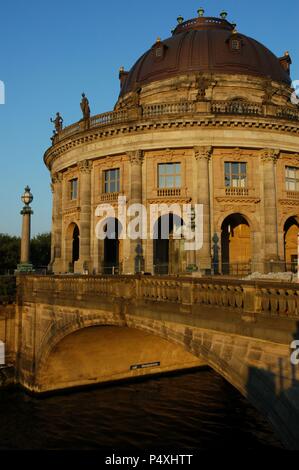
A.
pixel 40 249
pixel 9 252
pixel 7 289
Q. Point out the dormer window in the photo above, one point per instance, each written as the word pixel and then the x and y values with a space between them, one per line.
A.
pixel 159 50
pixel 235 44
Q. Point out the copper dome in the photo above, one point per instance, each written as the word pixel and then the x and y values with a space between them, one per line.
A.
pixel 204 45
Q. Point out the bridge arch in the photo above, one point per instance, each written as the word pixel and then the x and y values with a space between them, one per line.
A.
pixel 246 363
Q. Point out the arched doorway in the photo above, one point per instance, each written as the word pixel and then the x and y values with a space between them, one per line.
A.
pixel 169 254
pixel 72 246
pixel 235 245
pixel 113 230
pixel 291 230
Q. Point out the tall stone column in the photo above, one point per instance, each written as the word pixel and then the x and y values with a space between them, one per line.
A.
pixel 25 241
pixel 136 256
pixel 56 239
pixel 25 265
pixel 269 158
pixel 203 157
pixel 84 263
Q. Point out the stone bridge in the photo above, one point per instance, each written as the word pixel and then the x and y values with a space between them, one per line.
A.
pixel 70 331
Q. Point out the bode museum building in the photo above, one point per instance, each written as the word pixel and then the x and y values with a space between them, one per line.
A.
pixel 207 116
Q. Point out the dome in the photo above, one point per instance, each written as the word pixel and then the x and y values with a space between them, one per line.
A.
pixel 205 45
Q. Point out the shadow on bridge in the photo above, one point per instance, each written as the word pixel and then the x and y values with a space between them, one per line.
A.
pixel 275 393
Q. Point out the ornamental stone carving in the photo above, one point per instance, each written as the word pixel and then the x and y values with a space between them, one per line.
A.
pixel 85 166
pixel 136 157
pixel 203 153
pixel 202 84
pixel 269 155
pixel 56 178
pixel 269 92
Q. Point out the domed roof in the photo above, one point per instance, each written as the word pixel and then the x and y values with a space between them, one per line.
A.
pixel 204 44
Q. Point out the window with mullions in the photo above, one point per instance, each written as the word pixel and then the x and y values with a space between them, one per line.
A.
pixel 292 178
pixel 235 175
pixel 74 189
pixel 169 175
pixel 111 181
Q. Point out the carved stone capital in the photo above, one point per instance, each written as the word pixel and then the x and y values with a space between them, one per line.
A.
pixel 203 153
pixel 136 157
pixel 85 166
pixel 269 155
pixel 56 178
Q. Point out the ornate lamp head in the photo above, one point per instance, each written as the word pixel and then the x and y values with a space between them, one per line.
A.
pixel 200 12
pixel 27 197
pixel 180 19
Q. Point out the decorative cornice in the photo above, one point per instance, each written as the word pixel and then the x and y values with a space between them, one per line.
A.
pixel 136 157
pixel 90 136
pixel 203 153
pixel 238 200
pixel 85 166
pixel 289 202
pixel 269 155
pixel 170 200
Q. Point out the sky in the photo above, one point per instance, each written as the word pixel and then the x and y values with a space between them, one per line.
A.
pixel 52 51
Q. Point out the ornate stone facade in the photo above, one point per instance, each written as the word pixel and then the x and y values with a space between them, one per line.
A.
pixel 235 140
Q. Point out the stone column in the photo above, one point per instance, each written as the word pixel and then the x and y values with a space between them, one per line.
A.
pixel 203 156
pixel 25 265
pixel 56 239
pixel 136 256
pixel 84 263
pixel 25 240
pixel 269 158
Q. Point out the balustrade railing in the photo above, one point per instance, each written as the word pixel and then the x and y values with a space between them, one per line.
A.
pixel 236 107
pixel 287 113
pixel 236 191
pixel 263 297
pixel 172 192
pixel 178 108
pixel 183 107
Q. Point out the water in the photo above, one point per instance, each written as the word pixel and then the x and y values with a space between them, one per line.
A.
pixel 197 410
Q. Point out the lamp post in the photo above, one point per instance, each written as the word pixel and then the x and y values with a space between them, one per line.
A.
pixel 25 266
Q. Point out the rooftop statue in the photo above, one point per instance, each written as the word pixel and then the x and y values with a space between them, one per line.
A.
pixel 57 122
pixel 85 107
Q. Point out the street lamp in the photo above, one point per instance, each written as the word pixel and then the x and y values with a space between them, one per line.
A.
pixel 27 197
pixel 25 266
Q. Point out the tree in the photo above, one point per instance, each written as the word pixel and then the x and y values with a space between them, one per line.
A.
pixel 40 250
pixel 9 252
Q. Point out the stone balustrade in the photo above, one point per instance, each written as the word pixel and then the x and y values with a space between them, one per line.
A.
pixel 275 299
pixel 179 108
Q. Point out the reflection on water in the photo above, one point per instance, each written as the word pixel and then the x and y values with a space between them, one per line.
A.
pixel 194 410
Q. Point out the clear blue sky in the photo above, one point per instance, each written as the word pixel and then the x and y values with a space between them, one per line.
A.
pixel 51 51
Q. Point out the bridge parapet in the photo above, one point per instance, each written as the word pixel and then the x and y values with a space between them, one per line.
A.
pixel 242 329
pixel 267 298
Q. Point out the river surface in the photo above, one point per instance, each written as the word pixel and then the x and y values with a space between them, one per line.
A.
pixel 197 410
